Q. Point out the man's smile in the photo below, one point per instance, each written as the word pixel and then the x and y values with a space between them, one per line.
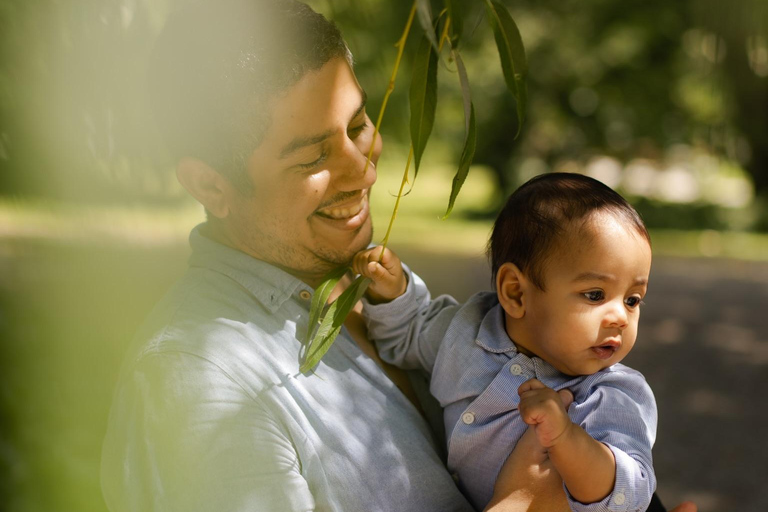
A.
pixel 346 211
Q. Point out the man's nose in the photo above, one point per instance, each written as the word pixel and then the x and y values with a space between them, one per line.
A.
pixel 353 171
pixel 616 316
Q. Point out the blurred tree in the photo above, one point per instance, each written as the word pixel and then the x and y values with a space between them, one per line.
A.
pixel 616 78
pixel 74 123
pixel 631 79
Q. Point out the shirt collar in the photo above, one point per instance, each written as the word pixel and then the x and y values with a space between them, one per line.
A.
pixel 270 285
pixel 493 337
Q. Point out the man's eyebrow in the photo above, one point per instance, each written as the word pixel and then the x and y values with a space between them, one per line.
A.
pixel 300 142
pixel 597 276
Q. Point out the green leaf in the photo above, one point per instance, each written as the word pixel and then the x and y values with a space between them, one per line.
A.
pixel 423 96
pixel 466 160
pixel 320 297
pixel 512 54
pixel 332 322
pixel 424 13
pixel 457 19
pixel 466 93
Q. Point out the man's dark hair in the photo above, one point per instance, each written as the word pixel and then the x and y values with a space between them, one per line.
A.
pixel 537 215
pixel 218 64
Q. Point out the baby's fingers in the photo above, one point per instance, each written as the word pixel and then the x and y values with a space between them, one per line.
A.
pixel 361 260
pixel 376 272
pixel 530 385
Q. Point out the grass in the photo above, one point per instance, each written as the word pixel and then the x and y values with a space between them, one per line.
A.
pixel 419 224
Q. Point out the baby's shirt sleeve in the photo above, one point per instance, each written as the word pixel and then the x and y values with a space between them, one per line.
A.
pixel 408 331
pixel 619 410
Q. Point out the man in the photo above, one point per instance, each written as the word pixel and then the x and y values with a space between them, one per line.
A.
pixel 259 102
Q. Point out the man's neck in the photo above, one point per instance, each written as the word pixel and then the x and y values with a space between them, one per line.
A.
pixel 222 236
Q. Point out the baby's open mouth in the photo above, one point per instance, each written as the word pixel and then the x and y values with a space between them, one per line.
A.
pixel 606 350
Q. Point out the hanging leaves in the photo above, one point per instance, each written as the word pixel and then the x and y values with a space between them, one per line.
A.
pixel 424 8
pixel 326 321
pixel 320 297
pixel 470 139
pixel 423 96
pixel 332 321
pixel 457 19
pixel 512 55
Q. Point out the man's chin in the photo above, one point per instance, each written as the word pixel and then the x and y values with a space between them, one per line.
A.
pixel 339 257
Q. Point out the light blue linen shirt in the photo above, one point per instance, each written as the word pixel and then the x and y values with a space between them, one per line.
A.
pixel 211 413
pixel 476 372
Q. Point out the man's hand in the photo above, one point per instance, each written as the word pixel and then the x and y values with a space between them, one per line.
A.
pixel 542 408
pixel 388 278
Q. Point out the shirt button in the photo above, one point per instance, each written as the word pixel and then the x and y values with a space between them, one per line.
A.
pixel 619 498
pixel 304 294
pixel 455 477
pixel 468 418
pixel 516 369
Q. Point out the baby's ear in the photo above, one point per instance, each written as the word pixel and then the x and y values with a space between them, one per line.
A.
pixel 510 284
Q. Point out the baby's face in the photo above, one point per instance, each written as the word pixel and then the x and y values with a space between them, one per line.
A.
pixel 586 320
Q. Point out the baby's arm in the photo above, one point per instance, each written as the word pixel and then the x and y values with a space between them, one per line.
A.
pixel 403 320
pixel 586 466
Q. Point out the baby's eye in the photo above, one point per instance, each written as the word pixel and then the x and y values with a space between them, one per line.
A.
pixel 633 302
pixel 595 295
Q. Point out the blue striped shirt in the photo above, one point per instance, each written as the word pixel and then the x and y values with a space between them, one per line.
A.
pixel 475 373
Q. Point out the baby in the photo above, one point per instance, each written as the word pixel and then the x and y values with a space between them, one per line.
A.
pixel 570 259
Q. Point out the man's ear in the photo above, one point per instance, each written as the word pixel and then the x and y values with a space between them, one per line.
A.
pixel 510 288
pixel 205 184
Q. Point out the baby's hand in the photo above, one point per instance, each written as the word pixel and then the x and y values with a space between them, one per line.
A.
pixel 388 278
pixel 542 408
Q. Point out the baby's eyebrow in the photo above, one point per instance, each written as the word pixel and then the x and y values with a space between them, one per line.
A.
pixel 594 276
pixel 597 276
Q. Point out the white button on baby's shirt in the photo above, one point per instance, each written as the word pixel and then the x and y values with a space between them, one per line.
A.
pixel 305 295
pixel 619 498
pixel 516 369
pixel 468 418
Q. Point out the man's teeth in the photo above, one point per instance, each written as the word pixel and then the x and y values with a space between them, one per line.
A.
pixel 343 213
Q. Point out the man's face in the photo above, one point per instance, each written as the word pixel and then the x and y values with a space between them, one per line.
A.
pixel 309 210
pixel 587 318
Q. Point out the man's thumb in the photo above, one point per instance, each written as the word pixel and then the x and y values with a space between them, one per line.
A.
pixel 566 397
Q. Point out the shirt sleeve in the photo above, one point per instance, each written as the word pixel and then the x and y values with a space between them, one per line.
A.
pixel 408 331
pixel 620 412
pixel 183 436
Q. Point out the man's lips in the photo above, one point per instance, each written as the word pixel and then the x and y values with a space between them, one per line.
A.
pixel 350 215
pixel 344 210
pixel 606 350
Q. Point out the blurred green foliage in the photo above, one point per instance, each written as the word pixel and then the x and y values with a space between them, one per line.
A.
pixel 626 80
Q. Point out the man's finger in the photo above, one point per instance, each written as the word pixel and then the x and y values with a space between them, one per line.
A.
pixel 566 397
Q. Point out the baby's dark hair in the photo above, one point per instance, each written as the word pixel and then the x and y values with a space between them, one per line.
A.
pixel 537 214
